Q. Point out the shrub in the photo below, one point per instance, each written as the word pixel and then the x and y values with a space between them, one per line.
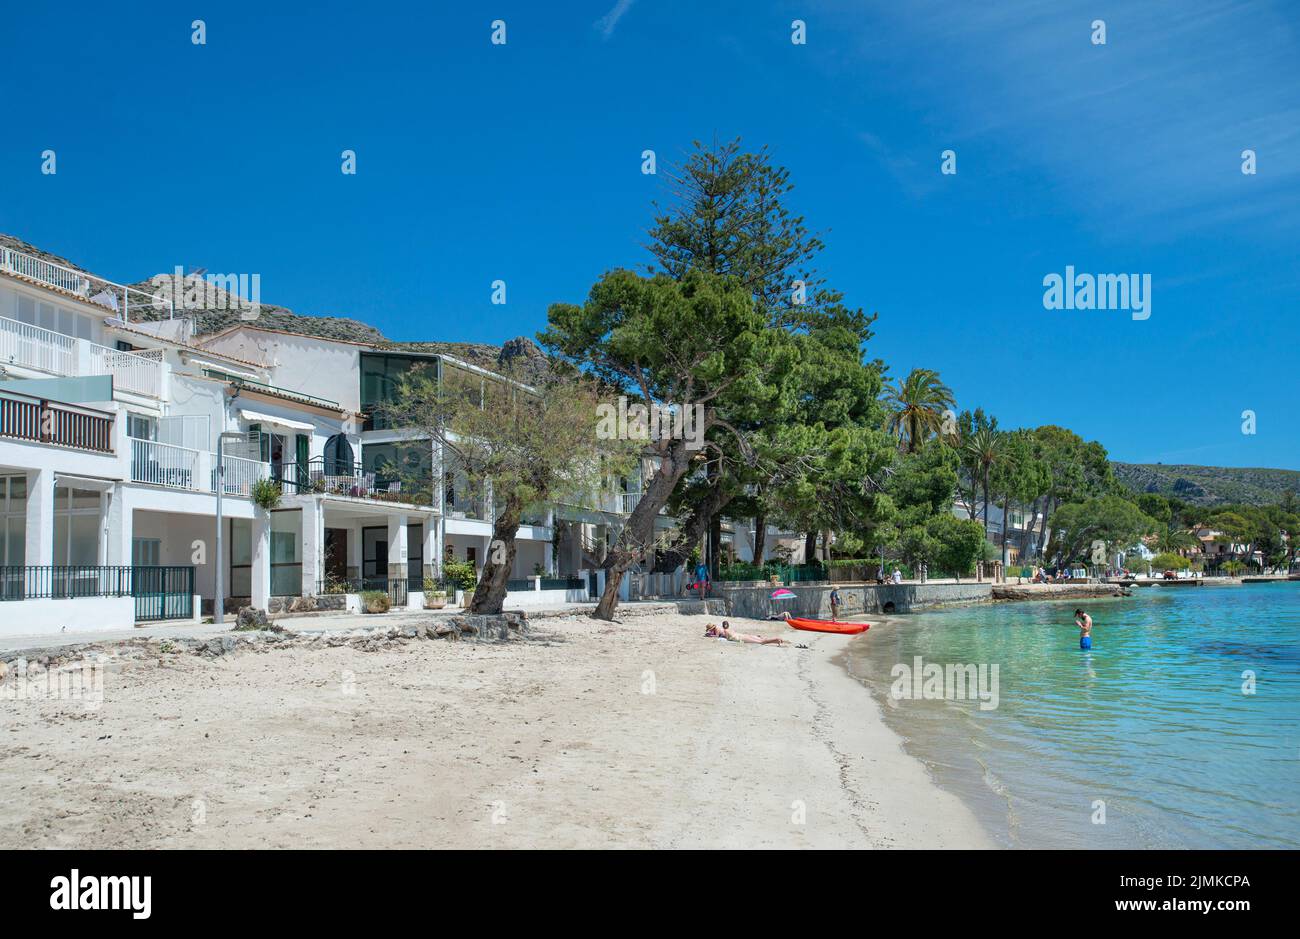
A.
pixel 266 493
pixel 375 601
pixel 1170 562
pixel 460 573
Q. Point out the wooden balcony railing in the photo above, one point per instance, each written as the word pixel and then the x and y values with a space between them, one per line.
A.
pixel 23 417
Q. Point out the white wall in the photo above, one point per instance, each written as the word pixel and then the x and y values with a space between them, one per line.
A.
pixel 51 617
pixel 318 367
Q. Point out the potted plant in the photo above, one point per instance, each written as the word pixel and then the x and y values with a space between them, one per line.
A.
pixel 375 601
pixel 434 597
pixel 266 493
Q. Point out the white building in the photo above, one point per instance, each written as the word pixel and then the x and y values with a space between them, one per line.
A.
pixel 109 434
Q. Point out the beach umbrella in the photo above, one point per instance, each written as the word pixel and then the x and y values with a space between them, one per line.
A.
pixel 783 594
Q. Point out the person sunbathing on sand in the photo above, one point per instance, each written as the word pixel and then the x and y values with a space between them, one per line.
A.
pixel 726 632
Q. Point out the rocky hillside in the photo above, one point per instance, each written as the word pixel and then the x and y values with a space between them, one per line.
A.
pixel 1209 485
pixel 521 357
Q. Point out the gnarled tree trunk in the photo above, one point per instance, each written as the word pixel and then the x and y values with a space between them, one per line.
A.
pixel 490 594
pixel 637 536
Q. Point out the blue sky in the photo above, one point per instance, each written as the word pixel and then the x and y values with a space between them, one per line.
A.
pixel 522 162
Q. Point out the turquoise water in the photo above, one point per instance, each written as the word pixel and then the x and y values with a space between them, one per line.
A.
pixel 1153 721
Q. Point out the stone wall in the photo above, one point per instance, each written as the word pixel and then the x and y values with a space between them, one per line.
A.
pixel 813 600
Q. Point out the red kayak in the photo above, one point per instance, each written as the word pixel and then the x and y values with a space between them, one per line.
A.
pixel 828 626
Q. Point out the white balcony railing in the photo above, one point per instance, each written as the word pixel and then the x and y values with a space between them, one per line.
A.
pixel 36 348
pixel 628 501
pixel 165 464
pixel 43 350
pixel 239 474
pixel 161 464
pixel 141 372
pixel 116 297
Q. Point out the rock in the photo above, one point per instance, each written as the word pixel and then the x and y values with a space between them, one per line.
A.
pixel 4 670
pixel 249 618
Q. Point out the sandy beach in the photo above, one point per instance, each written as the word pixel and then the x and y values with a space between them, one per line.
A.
pixel 583 735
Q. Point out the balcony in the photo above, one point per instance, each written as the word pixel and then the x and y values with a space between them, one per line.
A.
pixel 23 417
pixel 43 350
pixel 116 298
pixel 174 467
pixel 344 478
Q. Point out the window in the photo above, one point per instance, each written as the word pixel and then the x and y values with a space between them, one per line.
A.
pixel 13 520
pixel 145 552
pixel 241 557
pixel 141 427
pixel 379 376
pixel 409 464
pixel 76 526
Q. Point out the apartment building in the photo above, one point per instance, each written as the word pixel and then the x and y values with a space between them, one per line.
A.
pixel 118 434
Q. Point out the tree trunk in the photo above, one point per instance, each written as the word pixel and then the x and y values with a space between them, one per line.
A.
pixel 638 534
pixel 715 545
pixel 760 537
pixel 1006 523
pixel 986 504
pixel 826 547
pixel 490 594
pixel 809 547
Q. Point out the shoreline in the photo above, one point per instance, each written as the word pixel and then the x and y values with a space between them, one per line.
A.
pixel 584 734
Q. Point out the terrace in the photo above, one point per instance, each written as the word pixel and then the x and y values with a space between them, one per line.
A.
pixel 23 417
pixel 25 345
pixel 117 298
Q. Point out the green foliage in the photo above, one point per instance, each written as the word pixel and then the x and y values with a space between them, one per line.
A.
pixel 958 542
pixel 1208 486
pixel 459 573
pixel 1108 518
pixel 1169 562
pixel 375 601
pixel 918 406
pixel 265 493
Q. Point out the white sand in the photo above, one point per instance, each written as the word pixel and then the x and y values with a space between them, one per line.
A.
pixel 590 735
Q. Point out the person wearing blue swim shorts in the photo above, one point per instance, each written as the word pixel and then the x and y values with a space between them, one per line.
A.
pixel 1084 622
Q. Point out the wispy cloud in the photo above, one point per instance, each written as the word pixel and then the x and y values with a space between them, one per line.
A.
pixel 607 22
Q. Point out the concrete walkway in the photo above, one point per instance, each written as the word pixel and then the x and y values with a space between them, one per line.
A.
pixel 306 623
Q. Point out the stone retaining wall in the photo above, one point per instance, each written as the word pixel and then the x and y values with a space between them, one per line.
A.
pixel 813 600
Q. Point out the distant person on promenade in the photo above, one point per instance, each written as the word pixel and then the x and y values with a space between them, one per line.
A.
pixel 702 578
pixel 1084 622
pixel 897 576
pixel 835 603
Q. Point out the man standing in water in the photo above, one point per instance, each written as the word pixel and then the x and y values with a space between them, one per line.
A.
pixel 1084 622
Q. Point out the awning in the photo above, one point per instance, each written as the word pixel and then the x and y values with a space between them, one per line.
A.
pixel 258 417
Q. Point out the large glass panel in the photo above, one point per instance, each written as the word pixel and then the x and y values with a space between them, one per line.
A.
pixel 241 541
pixel 15 541
pixel 85 499
pixel 26 309
pixel 84 540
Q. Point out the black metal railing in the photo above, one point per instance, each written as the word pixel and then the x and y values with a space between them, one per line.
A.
pixel 344 478
pixel 334 585
pixel 160 592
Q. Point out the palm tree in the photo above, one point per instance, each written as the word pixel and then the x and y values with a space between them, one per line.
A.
pixel 917 407
pixel 986 447
pixel 1176 542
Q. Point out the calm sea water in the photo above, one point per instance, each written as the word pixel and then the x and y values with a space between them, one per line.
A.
pixel 1153 721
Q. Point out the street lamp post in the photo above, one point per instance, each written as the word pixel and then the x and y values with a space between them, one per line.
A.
pixel 219 600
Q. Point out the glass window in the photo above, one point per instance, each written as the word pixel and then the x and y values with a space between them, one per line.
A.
pixel 84 499
pixel 67 322
pixel 26 309
pixel 15 546
pixel 145 552
pixel 241 541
